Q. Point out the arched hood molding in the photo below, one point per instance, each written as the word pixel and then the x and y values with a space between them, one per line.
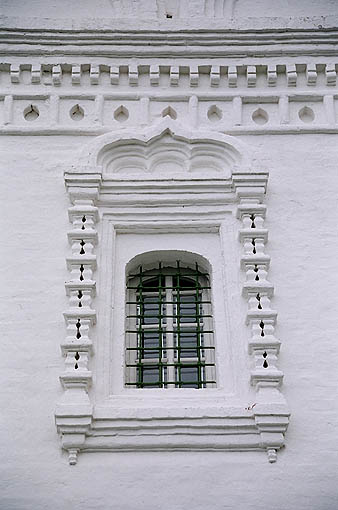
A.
pixel 166 149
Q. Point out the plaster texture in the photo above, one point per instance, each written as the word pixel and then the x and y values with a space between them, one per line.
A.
pixel 301 158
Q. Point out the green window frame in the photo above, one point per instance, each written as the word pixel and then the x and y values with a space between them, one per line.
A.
pixel 169 328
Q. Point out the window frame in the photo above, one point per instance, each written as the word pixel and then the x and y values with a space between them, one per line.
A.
pixel 230 417
pixel 170 329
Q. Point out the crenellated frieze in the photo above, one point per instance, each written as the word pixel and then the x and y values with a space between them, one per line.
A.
pixel 214 73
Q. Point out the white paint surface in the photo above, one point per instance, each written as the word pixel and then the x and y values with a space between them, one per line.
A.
pixel 302 223
pixel 302 205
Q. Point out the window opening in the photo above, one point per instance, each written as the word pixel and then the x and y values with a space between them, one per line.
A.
pixel 169 327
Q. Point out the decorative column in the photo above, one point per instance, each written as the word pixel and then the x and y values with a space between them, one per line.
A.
pixel 270 409
pixel 74 411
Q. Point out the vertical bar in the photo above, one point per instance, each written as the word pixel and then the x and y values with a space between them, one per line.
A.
pixel 170 330
pixel 283 107
pixel 328 101
pixel 178 329
pixel 237 110
pixel 198 330
pixel 8 110
pixel 140 340
pixel 144 110
pixel 160 331
pixel 209 370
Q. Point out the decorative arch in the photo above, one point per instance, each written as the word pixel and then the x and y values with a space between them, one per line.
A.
pixel 165 150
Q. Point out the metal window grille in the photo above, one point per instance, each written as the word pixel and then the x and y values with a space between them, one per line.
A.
pixel 169 329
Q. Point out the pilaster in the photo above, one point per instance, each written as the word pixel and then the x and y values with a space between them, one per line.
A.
pixel 271 412
pixel 74 413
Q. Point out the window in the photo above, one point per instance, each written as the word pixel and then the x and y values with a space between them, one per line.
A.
pixel 158 197
pixel 169 335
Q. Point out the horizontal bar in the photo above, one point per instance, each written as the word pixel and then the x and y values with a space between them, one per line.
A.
pixel 163 316
pixel 179 364
pixel 165 383
pixel 200 287
pixel 169 302
pixel 167 348
pixel 144 275
pixel 153 330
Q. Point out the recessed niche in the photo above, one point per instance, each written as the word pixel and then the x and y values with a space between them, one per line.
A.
pixel 306 114
pixel 169 112
pixel 31 112
pixel 121 114
pixel 214 113
pixel 76 113
pixel 260 116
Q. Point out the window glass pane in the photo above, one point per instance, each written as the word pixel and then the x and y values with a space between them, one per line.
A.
pixel 185 283
pixel 151 310
pixel 150 344
pixel 188 308
pixel 188 341
pixel 152 376
pixel 189 377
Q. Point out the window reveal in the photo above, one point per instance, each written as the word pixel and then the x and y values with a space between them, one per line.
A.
pixel 169 329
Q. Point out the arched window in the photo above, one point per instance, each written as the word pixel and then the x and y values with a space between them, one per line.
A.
pixel 169 333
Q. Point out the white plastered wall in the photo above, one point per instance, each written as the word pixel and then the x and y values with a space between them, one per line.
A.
pixel 301 219
pixel 302 223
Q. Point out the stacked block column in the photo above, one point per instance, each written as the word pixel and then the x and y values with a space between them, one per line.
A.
pixel 271 413
pixel 74 411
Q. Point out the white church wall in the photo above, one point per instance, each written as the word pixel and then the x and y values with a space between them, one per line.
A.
pixel 283 107
pixel 301 204
pixel 158 9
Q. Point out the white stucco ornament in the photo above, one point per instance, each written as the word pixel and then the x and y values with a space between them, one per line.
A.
pixel 165 183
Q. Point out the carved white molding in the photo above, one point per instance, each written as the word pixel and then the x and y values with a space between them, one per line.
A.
pixel 217 74
pixel 232 113
pixel 261 318
pixel 80 317
pixel 136 153
pixel 96 185
pixel 256 37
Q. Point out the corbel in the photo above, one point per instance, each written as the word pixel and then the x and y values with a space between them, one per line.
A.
pixel 94 74
pixel 174 75
pixel 272 75
pixel 232 76
pixel 114 75
pixel 56 74
pixel 194 76
pixel 251 76
pixel 311 74
pixel 133 74
pixel 36 73
pixel 154 74
pixel 76 74
pixel 15 73
pixel 291 75
pixel 330 74
pixel 215 76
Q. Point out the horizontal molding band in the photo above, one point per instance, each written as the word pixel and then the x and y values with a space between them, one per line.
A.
pixel 214 71
pixel 234 131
